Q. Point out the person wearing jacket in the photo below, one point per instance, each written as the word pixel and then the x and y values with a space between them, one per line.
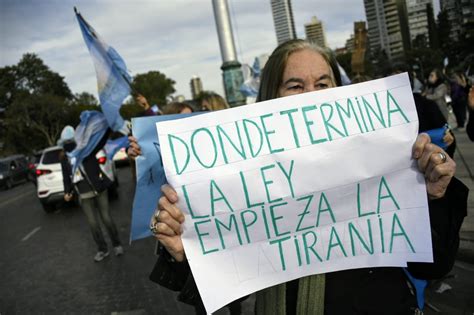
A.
pixel 91 184
pixel 437 91
pixel 298 66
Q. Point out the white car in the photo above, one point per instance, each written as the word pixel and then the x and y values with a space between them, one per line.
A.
pixel 50 187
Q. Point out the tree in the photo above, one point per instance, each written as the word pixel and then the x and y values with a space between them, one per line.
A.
pixel 154 85
pixel 35 121
pixel 36 101
pixel 32 75
pixel 85 99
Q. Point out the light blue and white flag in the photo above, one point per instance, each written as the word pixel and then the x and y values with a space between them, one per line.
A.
pixel 88 134
pixel 113 80
pixel 344 77
pixel 251 79
pixel 113 146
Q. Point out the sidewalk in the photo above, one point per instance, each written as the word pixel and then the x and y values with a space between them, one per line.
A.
pixel 464 157
pixel 453 294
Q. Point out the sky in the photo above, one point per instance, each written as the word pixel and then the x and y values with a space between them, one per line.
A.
pixel 175 37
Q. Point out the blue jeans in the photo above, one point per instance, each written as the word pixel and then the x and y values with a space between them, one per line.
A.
pixel 96 209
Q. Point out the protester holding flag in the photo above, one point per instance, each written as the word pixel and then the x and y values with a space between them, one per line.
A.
pixel 85 178
pixel 295 67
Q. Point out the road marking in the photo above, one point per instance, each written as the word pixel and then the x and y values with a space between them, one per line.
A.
pixel 36 229
pixel 4 203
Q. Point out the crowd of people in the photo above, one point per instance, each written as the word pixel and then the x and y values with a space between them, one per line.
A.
pixel 295 67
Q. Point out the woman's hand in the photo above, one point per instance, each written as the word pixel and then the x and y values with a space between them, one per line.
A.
pixel 134 149
pixel 166 223
pixel 68 197
pixel 435 164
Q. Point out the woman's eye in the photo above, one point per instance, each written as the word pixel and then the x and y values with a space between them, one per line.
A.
pixel 294 87
pixel 322 86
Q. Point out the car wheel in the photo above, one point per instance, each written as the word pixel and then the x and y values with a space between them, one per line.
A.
pixel 47 207
pixel 9 184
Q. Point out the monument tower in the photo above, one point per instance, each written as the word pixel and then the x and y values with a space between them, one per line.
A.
pixel 231 68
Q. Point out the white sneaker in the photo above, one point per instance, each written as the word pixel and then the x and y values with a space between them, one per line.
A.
pixel 100 256
pixel 118 250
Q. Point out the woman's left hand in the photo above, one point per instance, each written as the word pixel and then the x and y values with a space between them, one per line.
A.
pixel 435 164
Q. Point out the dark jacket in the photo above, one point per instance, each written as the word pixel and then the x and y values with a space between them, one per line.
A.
pixel 374 290
pixel 93 176
pixel 470 125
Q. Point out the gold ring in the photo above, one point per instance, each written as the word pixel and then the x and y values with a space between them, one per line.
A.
pixel 443 157
pixel 154 228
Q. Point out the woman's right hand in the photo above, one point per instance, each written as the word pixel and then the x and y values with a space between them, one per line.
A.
pixel 167 221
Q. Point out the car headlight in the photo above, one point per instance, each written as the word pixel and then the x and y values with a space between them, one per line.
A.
pixel 1 176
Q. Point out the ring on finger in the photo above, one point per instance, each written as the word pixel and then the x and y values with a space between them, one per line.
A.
pixel 443 157
pixel 154 228
pixel 156 214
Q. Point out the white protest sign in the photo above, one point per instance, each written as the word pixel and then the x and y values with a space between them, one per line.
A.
pixel 296 186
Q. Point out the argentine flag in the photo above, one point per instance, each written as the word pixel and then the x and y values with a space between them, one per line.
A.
pixel 113 80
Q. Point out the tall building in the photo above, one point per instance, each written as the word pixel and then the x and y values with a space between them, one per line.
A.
pixel 283 20
pixel 460 16
pixel 388 27
pixel 315 32
pixel 350 43
pixel 360 47
pixel 196 86
pixel 418 19
pixel 231 68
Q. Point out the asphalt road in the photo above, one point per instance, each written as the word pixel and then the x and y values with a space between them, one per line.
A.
pixel 47 265
pixel 47 262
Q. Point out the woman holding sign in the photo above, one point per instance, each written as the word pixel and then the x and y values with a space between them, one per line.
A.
pixel 298 67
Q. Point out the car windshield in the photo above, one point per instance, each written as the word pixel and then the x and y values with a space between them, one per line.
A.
pixel 51 157
pixel 3 167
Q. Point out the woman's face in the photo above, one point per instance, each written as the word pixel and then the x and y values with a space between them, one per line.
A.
pixel 432 78
pixel 306 71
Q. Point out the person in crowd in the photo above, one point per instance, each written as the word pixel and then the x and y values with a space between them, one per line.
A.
pixel 147 109
pixel 470 123
pixel 430 117
pixel 211 101
pixel 459 91
pixel 437 91
pixel 177 108
pixel 295 67
pixel 91 184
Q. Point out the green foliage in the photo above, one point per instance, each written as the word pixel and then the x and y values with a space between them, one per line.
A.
pixel 154 85
pixel 34 121
pixel 36 101
pixel 128 111
pixel 33 76
pixel 85 99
